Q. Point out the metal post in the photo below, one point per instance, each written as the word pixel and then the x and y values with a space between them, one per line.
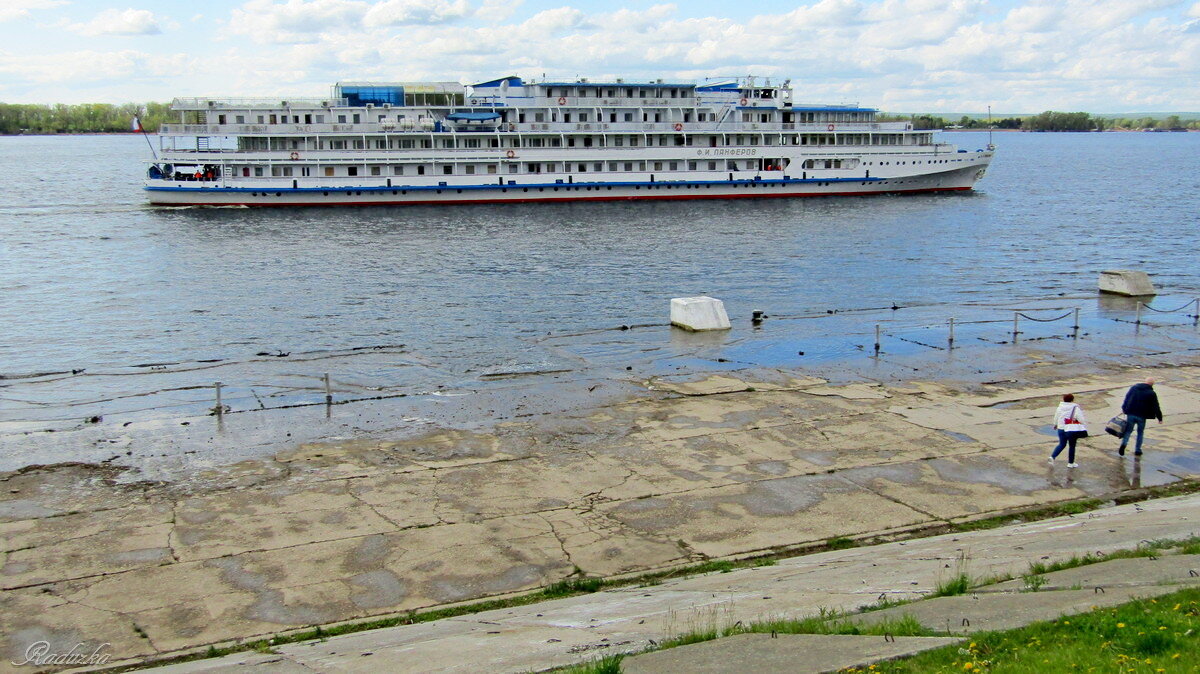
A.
pixel 1196 316
pixel 1138 320
pixel 876 339
pixel 328 391
pixel 951 332
pixel 220 409
pixel 1077 319
pixel 1016 324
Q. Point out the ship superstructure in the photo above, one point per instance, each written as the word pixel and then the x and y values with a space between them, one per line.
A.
pixel 511 140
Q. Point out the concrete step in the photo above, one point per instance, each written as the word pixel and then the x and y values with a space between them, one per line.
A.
pixel 793 653
pixel 965 614
pixel 1134 572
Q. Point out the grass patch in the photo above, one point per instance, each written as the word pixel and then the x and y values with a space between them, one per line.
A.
pixel 957 584
pixel 609 664
pixel 1147 635
pixel 840 543
pixel 1033 515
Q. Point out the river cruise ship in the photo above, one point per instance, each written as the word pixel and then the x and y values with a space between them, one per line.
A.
pixel 514 140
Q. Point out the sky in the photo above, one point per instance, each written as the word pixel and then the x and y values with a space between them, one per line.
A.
pixel 1103 56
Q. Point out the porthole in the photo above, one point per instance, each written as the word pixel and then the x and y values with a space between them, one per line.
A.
pixel 324 194
pixel 279 194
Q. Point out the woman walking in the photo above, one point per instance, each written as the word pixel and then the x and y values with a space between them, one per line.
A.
pixel 1071 425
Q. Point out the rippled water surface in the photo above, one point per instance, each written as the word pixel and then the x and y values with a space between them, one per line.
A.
pixel 93 279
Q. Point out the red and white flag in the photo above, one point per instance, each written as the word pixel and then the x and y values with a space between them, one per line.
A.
pixel 136 124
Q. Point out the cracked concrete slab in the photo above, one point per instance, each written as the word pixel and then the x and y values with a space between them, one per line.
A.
pixel 362 527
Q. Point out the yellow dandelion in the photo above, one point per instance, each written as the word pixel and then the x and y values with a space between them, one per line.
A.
pixel 1175 657
pixel 968 666
pixel 1177 607
pixel 1162 627
pixel 1120 624
pixel 1147 661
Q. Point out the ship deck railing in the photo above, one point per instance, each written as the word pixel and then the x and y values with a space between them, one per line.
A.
pixel 376 128
pixel 275 103
pixel 576 154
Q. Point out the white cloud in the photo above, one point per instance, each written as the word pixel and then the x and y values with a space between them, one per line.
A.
pixel 119 22
pixel 495 11
pixel 294 20
pixel 19 9
pixel 901 54
pixel 409 12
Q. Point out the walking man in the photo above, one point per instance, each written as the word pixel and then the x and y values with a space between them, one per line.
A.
pixel 1141 403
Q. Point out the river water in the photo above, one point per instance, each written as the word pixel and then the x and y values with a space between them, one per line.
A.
pixel 110 307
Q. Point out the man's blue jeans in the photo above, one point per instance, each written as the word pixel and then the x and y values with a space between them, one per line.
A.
pixel 1140 422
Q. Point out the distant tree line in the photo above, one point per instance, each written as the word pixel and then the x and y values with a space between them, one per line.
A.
pixel 81 118
pixel 1047 121
pixel 106 118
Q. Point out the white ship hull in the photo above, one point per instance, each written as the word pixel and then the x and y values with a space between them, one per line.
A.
pixel 572 188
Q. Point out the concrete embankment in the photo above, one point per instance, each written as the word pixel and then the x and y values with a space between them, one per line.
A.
pixel 728 466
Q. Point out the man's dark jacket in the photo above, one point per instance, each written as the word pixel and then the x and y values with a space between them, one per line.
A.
pixel 1142 401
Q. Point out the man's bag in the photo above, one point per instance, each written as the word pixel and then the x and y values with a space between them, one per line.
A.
pixel 1116 426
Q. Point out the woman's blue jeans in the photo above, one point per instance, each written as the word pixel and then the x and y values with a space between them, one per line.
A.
pixel 1066 439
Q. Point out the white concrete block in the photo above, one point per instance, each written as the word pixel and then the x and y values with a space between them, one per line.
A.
pixel 699 313
pixel 1126 282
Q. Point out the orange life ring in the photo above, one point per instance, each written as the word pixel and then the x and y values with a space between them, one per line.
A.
pixel 510 154
pixel 678 126
pixel 562 100
pixel 295 155
pixel 831 127
pixel 745 101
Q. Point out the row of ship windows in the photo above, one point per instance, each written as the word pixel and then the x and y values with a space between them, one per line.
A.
pixel 568 167
pixel 641 115
pixel 608 188
pixel 534 167
pixel 734 140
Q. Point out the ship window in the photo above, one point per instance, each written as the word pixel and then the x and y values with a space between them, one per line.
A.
pixel 351 170
pixel 674 166
pixel 628 166
pixel 398 170
pixel 375 170
pixel 470 169
pixel 691 166
pixel 629 117
pixel 341 119
pixel 357 118
pixel 245 171
pixel 320 119
pixel 598 166
pixel 582 167
pixel 260 119
pixel 583 117
pixel 328 171
pixel 618 141
pixel 420 170
pixel 641 166
pixel 657 166
pixel 447 170
pixel 491 168
pixel 633 141
pixel 712 166
pixel 258 171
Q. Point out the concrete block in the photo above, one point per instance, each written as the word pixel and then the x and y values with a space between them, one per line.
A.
pixel 699 313
pixel 1126 282
pixel 793 653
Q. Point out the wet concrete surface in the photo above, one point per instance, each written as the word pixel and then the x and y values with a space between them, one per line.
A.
pixel 676 471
